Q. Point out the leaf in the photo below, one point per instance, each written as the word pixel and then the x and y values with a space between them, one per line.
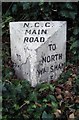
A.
pixel 71 116
pixel 54 104
pixel 34 106
pixel 8 19
pixel 68 14
pixel 59 97
pixel 72 15
pixel 33 96
pixel 76 31
pixel 45 100
pixel 26 5
pixel 69 6
pixel 27 102
pixel 44 87
pixel 52 88
pixel 41 2
pixel 16 106
pixel 14 8
pixel 74 45
pixel 46 116
pixel 57 113
pixel 77 81
pixel 18 88
pixel 51 97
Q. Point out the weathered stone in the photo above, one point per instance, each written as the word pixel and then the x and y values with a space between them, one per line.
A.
pixel 38 49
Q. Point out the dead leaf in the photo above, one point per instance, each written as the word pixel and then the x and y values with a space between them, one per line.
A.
pixel 71 116
pixel 58 90
pixel 77 99
pixel 57 113
pixel 69 83
pixel 49 104
pixel 39 105
pixel 59 97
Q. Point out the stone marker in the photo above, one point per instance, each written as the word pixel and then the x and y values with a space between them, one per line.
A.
pixel 38 49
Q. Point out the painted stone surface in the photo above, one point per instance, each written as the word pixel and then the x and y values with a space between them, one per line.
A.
pixel 38 49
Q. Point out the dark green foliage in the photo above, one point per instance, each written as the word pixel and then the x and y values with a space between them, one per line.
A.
pixel 20 100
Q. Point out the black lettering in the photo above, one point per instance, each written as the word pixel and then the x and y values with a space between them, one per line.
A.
pixel 27 31
pixel 38 32
pixel 36 24
pixel 43 31
pixel 42 39
pixel 26 25
pixel 56 56
pixel 61 65
pixel 47 24
pixel 34 32
pixel 36 39
pixel 56 67
pixel 43 59
pixel 60 56
pixel 51 68
pixel 48 58
pixel 52 57
pixel 25 39
pixel 42 71
pixel 51 77
pixel 39 72
pixel 52 47
pixel 31 39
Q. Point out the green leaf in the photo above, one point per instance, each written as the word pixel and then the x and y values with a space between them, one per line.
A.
pixel 52 88
pixel 68 14
pixel 72 15
pixel 54 104
pixel 72 39
pixel 14 8
pixel 77 80
pixel 76 31
pixel 26 5
pixel 7 19
pixel 27 102
pixel 46 116
pixel 16 106
pixel 52 98
pixel 74 45
pixel 33 96
pixel 69 6
pixel 45 100
pixel 18 88
pixel 34 106
pixel 44 87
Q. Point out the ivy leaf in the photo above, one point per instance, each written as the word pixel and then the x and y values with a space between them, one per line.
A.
pixel 26 6
pixel 52 88
pixel 44 87
pixel 74 45
pixel 76 31
pixel 14 8
pixel 18 88
pixel 68 14
pixel 54 104
pixel 33 96
pixel 72 15
pixel 46 116
pixel 52 98
pixel 69 6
